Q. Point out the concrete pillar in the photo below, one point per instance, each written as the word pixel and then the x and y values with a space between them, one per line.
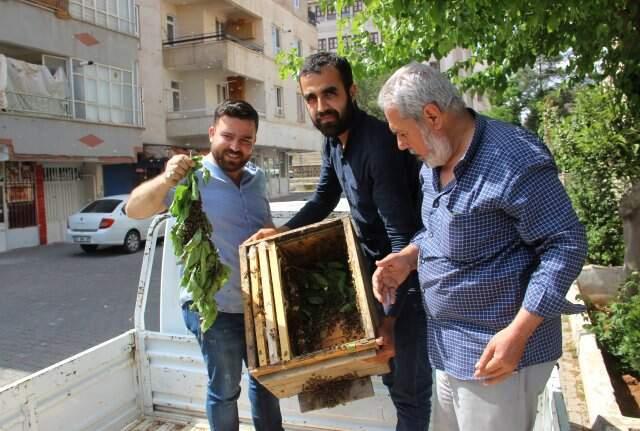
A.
pixel 630 214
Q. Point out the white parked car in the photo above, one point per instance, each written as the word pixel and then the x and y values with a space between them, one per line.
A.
pixel 104 222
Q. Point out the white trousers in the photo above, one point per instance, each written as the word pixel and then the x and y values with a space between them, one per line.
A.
pixel 469 405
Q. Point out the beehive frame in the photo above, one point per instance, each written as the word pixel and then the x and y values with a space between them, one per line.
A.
pixel 270 356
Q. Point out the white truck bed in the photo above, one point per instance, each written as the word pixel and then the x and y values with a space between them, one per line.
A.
pixel 149 380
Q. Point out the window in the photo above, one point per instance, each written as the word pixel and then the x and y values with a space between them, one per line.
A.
pixel 102 206
pixel 219 26
pixel 136 19
pixel 331 12
pixel 374 37
pixel 20 188
pixel 319 11
pixel 346 40
pixel 282 162
pixel 279 102
pixel 346 11
pixel 222 91
pixel 275 36
pixel 175 96
pixel 118 15
pixel 357 6
pixel 300 106
pixel 105 94
pixel 171 27
pixel 322 44
pixel 333 43
pixel 299 47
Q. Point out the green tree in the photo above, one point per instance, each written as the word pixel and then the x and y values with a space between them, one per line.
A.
pixel 599 37
pixel 596 143
pixel 518 103
pixel 367 94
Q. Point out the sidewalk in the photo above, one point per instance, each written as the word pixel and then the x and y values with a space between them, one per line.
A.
pixel 571 382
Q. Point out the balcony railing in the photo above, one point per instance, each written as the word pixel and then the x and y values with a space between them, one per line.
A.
pixel 60 7
pixel 36 104
pixel 212 37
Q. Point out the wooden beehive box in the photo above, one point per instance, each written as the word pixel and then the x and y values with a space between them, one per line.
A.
pixel 278 348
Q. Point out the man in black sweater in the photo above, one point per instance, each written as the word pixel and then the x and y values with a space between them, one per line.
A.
pixel 381 183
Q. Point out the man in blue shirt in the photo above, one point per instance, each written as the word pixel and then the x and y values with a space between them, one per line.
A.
pixel 500 246
pixel 235 203
pixel 361 160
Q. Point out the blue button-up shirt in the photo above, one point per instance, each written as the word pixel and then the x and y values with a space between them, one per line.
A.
pixel 236 213
pixel 502 235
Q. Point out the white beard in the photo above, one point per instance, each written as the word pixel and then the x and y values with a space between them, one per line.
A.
pixel 439 150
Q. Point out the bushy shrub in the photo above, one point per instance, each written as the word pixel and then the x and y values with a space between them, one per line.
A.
pixel 617 327
pixel 596 143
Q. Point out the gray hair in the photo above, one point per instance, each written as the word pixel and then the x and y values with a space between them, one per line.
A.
pixel 415 85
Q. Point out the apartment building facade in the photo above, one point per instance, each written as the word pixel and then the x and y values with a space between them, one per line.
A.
pixel 326 19
pixel 70 110
pixel 195 54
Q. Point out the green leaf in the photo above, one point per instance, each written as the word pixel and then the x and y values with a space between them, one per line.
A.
pixel 203 273
pixel 192 257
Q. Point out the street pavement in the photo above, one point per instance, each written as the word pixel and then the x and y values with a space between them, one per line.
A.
pixel 56 301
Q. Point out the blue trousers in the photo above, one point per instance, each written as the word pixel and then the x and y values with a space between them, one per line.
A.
pixel 410 379
pixel 223 348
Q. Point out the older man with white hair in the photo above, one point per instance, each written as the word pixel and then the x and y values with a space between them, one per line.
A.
pixel 500 246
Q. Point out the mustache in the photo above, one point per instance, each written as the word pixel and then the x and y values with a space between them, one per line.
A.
pixel 233 153
pixel 333 112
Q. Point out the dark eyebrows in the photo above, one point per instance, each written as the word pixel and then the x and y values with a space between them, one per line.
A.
pixel 332 89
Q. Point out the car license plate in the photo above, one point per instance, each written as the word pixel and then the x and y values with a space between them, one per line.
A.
pixel 81 239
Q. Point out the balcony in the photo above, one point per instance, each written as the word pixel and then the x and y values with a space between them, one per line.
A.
pixel 99 93
pixel 185 125
pixel 36 105
pixel 59 7
pixel 194 122
pixel 243 5
pixel 215 51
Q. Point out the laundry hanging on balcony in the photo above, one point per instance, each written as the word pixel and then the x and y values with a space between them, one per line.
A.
pixel 28 87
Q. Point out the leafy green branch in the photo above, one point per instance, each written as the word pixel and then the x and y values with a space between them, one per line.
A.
pixel 203 272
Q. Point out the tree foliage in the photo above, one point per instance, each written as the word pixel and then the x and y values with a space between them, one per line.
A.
pixel 596 143
pixel 599 37
pixel 518 103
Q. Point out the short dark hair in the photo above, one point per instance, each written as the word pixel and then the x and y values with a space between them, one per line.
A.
pixel 236 109
pixel 315 62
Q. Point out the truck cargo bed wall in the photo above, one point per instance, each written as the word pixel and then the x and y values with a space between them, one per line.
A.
pixel 94 390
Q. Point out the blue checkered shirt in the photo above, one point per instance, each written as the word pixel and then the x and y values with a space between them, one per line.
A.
pixel 502 235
